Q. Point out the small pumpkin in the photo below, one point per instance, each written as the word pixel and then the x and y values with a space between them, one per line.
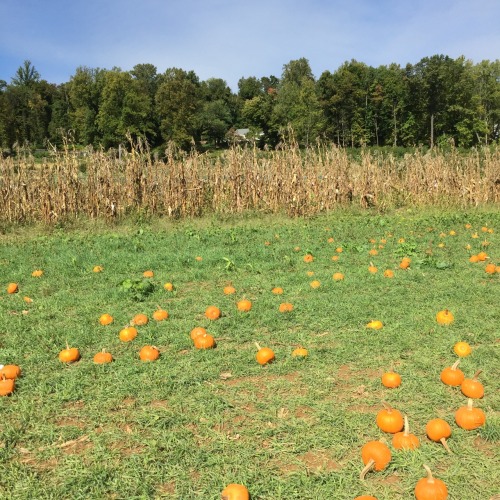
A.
pixel 405 440
pixel 285 307
pixel 375 455
pixel 128 334
pixel 315 284
pixel 229 290
pixel 308 258
pixel 140 320
pixel 7 386
pixel 445 317
pixel 169 287
pixel 439 430
pixel 103 357
pixel 106 319
pixel 430 488
pixel 205 341
pixel 375 324
pixel 235 491
pixel 300 352
pixel 10 371
pixel 69 355
pixel 469 418
pixel 372 268
pixel 160 315
pixel 264 355
pixel 452 375
pixel 482 256
pixel 473 259
pixel 389 419
pixel 277 290
pixel 244 305
pixel 97 269
pixel 405 263
pixel 490 268
pixel 472 388
pixel 338 276
pixel 148 274
pixel 12 288
pixel 388 273
pixel 149 353
pixel 391 380
pixel 213 313
pixel 37 273
pixel 462 349
pixel 197 331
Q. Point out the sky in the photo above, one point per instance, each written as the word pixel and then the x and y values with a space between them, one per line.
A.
pixel 235 39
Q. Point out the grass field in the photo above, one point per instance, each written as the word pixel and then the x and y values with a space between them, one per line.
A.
pixel 193 421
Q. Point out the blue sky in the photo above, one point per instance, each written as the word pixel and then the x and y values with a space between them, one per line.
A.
pixel 234 39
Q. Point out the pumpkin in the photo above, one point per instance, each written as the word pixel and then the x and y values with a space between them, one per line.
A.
pixel 97 269
pixel 391 380
pixel 375 324
pixel 140 320
pixel 339 249
pixel 160 315
pixel 315 284
pixel 69 355
pixel 264 355
pixel 472 388
pixel 299 352
pixel 308 258
pixel 37 273
pixel 277 290
pixel 462 349
pixel 212 313
pixel 148 274
pixel 197 331
pixel 430 488
pixel 373 251
pixel 244 305
pixel 405 263
pixel 482 256
pixel 229 290
pixel 6 386
pixel 438 430
pixel 375 455
pixel 128 334
pixel 372 268
pixel 310 273
pixel 12 288
pixel 490 268
pixel 452 375
pixel 285 307
pixel 198 258
pixel 469 418
pixel 405 440
pixel 103 357
pixel 235 492
pixel 168 287
pixel 389 419
pixel 106 319
pixel 10 371
pixel 337 277
pixel 149 353
pixel 445 317
pixel 205 341
pixel 388 273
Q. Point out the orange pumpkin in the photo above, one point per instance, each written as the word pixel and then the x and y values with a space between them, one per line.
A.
pixel 490 268
pixel 244 305
pixel 128 334
pixel 337 277
pixel 308 258
pixel 372 268
pixel 12 288
pixel 213 313
pixel 10 371
pixel 405 263
pixel 375 324
pixel 205 341
pixel 97 269
pixel 148 274
pixel 285 307
pixel 197 331
pixel 462 349
pixel 299 352
pixel 264 355
pixel 149 353
pixel 469 418
pixel 106 319
pixel 160 315
pixel 69 355
pixel 388 273
pixel 168 287
pixel 389 419
pixel 405 440
pixel 277 290
pixel 452 375
pixel 439 430
pixel 391 380
pixel 375 455
pixel 315 284
pixel 430 488
pixel 37 273
pixel 472 388
pixel 229 290
pixel 140 320
pixel 235 492
pixel 103 357
pixel 7 386
pixel 445 317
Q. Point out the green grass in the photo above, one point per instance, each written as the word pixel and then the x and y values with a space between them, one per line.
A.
pixel 176 428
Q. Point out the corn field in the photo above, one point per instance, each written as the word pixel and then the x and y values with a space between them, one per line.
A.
pixel 286 180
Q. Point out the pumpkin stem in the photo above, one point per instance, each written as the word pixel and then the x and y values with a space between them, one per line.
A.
pixel 430 477
pixel 257 346
pixel 476 374
pixel 445 444
pixel 469 404
pixel 387 406
pixel 454 366
pixel 407 427
pixel 367 467
pixel 67 345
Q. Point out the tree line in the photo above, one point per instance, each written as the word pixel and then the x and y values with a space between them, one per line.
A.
pixel 438 99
